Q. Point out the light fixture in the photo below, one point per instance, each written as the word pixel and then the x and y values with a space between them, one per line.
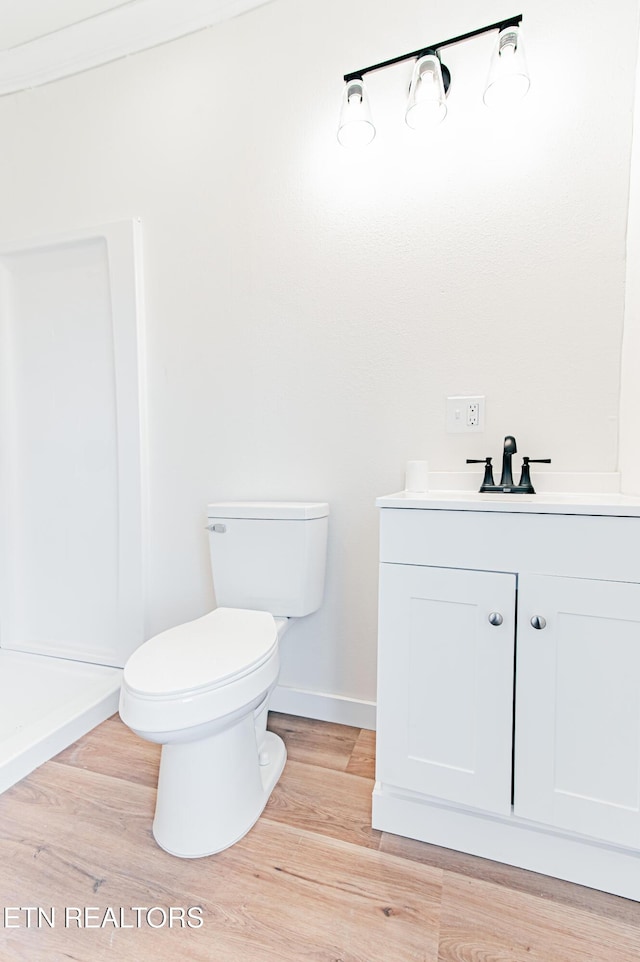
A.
pixel 356 128
pixel 508 81
pixel 426 106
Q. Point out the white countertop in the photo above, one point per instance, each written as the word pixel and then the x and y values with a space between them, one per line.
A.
pixel 545 503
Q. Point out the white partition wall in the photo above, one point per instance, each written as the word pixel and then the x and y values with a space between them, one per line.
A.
pixel 71 573
pixel 72 566
pixel 629 449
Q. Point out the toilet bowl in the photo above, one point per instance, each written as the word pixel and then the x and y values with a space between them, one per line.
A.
pixel 202 689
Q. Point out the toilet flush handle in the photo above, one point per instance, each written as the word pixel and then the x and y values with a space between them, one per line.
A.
pixel 218 528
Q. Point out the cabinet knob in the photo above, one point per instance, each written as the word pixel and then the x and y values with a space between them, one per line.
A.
pixel 495 618
pixel 538 622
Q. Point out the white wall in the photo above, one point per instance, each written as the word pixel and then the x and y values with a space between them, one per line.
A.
pixel 308 308
pixel 630 374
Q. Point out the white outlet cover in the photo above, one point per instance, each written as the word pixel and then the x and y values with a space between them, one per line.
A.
pixel 458 416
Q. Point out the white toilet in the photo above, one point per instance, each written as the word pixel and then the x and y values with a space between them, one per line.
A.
pixel 202 689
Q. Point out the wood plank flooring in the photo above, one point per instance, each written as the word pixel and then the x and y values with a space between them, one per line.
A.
pixel 311 882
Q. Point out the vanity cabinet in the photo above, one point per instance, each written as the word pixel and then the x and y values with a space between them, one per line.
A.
pixel 446 683
pixel 509 683
pixel 577 707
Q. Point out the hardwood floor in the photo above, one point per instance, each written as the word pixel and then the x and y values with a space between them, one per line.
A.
pixel 311 882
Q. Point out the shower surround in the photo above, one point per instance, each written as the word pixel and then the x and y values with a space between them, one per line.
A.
pixel 71 550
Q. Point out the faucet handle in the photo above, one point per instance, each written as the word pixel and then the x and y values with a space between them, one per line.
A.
pixel 525 478
pixel 487 482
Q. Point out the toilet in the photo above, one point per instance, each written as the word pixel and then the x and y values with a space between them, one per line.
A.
pixel 202 689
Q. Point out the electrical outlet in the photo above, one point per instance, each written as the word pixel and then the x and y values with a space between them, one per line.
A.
pixel 465 414
pixel 473 414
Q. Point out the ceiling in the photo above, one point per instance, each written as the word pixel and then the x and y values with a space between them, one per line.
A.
pixel 44 40
pixel 25 20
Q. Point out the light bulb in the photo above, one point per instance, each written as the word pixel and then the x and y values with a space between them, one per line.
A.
pixel 508 79
pixel 426 106
pixel 356 128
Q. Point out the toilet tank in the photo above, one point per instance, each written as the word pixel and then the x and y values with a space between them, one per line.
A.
pixel 269 555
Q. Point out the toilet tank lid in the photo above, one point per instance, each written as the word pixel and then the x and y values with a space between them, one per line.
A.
pixel 269 510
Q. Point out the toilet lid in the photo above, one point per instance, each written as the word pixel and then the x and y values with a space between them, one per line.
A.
pixel 202 654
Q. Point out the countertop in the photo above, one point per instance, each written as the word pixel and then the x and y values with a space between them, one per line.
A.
pixel 621 505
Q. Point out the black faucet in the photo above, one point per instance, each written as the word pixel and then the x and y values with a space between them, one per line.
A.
pixel 506 478
pixel 506 486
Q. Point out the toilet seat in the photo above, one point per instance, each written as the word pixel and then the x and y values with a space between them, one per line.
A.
pixel 200 656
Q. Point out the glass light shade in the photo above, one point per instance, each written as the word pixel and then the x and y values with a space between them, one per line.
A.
pixel 426 106
pixel 356 128
pixel 508 79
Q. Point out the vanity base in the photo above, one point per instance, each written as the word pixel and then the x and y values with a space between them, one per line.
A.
pixel 509 839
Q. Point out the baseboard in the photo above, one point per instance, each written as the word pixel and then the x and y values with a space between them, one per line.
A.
pixel 324 707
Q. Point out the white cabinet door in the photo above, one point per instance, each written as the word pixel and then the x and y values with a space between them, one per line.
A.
pixel 577 731
pixel 445 684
